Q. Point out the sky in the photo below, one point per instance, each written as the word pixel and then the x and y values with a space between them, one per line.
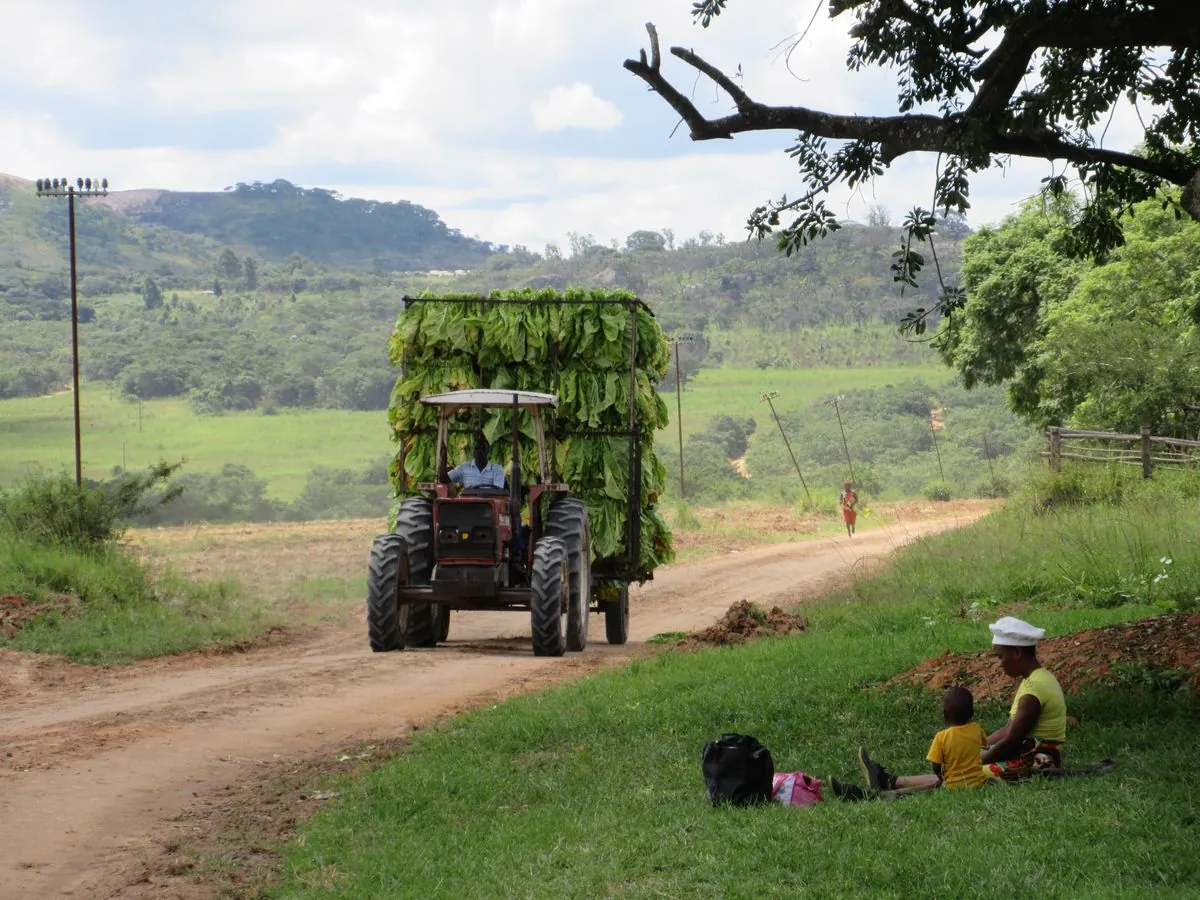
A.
pixel 512 119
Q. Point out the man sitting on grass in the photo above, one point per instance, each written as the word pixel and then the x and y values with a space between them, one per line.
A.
pixel 1030 740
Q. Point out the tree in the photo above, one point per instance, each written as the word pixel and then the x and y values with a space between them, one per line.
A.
pixel 1110 347
pixel 645 242
pixel 878 216
pixel 229 265
pixel 250 267
pixel 216 287
pixel 1027 78
pixel 151 294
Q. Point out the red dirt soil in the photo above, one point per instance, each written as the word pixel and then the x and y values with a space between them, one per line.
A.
pixel 1163 644
pixel 745 621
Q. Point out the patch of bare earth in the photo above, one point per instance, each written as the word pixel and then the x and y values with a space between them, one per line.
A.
pixel 1169 645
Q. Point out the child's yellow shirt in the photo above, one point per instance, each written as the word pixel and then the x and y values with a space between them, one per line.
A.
pixel 957 750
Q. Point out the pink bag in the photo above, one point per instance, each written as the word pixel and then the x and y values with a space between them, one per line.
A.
pixel 796 789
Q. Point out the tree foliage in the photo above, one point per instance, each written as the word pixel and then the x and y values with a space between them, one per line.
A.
pixel 1109 346
pixel 979 82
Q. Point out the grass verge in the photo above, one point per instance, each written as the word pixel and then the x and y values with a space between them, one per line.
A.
pixel 104 606
pixel 594 789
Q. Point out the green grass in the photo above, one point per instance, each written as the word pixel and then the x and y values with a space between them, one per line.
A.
pixel 121 611
pixel 737 391
pixel 594 789
pixel 38 433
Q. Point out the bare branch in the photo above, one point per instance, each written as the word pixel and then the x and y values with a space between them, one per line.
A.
pixel 740 98
pixel 895 135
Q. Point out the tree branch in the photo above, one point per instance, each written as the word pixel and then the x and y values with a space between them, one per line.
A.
pixel 895 135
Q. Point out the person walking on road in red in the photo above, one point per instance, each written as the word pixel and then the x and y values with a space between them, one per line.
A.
pixel 849 500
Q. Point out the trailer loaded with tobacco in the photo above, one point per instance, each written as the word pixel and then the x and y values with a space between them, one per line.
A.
pixel 562 516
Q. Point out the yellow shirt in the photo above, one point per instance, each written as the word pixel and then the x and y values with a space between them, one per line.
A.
pixel 956 749
pixel 1052 722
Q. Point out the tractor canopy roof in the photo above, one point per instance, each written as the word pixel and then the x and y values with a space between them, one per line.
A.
pixel 490 398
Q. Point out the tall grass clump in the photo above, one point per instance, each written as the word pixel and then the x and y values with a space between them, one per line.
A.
pixel 87 596
pixel 1079 538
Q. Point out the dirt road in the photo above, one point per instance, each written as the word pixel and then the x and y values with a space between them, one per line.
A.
pixel 96 763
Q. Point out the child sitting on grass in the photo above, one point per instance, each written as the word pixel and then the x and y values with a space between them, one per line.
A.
pixel 955 753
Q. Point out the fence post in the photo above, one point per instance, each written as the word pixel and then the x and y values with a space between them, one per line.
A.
pixel 1147 465
pixel 1055 435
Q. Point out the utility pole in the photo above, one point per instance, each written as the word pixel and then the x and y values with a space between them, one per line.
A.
pixel 834 403
pixel 675 342
pixel 987 450
pixel 767 398
pixel 83 187
pixel 933 431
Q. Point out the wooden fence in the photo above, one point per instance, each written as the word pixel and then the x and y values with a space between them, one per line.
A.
pixel 1145 449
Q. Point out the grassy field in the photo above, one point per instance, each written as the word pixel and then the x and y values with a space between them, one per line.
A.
pixel 594 789
pixel 737 391
pixel 38 432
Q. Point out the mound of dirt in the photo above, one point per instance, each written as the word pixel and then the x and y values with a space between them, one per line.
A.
pixel 1162 644
pixel 742 622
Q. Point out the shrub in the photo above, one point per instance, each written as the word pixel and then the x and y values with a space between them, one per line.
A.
pixel 938 491
pixel 992 489
pixel 685 519
pixel 52 509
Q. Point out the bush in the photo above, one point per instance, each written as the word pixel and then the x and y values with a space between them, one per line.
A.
pixel 234 494
pixel 53 510
pixel 938 491
pixel 685 519
pixel 990 489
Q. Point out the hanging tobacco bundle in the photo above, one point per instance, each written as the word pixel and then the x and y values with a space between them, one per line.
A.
pixel 578 351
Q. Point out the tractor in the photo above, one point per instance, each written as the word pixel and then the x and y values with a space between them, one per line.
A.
pixel 466 548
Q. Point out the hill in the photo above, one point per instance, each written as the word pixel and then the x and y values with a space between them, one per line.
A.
pixel 274 220
pixel 181 234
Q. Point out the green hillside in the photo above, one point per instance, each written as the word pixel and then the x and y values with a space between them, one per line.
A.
pixel 178 238
pixel 274 220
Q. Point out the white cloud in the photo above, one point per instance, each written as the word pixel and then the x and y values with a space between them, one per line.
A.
pixel 48 44
pixel 574 106
pixel 424 96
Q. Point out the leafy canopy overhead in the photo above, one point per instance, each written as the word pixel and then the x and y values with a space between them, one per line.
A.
pixel 979 82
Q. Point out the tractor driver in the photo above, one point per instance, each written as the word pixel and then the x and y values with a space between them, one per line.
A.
pixel 478 472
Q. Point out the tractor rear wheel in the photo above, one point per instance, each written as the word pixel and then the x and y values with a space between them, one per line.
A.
pixel 568 519
pixel 386 571
pixel 616 617
pixel 548 597
pixel 414 523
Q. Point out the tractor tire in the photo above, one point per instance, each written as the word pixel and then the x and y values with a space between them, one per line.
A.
pixel 414 524
pixel 568 520
pixel 616 618
pixel 388 566
pixel 548 597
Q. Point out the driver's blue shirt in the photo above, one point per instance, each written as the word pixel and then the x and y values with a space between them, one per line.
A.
pixel 470 475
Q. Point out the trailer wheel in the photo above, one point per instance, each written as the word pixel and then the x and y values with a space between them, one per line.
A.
pixel 616 617
pixel 414 523
pixel 548 597
pixel 568 519
pixel 386 571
